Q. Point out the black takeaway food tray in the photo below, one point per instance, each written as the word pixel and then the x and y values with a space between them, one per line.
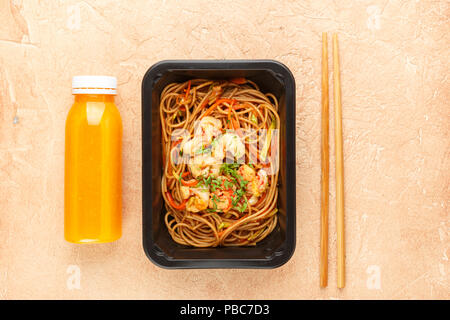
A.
pixel 277 248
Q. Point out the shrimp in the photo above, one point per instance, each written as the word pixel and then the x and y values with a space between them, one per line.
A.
pixel 185 192
pixel 205 131
pixel 221 200
pixel 190 146
pixel 208 128
pixel 258 186
pixel 229 142
pixel 198 199
pixel 247 172
pixel 204 165
pixel 258 182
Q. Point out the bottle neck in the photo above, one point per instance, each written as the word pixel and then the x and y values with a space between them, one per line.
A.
pixel 94 97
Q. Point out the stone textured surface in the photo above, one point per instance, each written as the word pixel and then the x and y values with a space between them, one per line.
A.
pixel 396 112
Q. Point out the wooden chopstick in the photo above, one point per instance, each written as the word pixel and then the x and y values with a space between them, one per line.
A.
pixel 339 167
pixel 325 167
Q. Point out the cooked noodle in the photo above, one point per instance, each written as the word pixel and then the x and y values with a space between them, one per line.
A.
pixel 239 212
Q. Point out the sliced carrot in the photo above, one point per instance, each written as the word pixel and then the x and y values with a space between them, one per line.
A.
pixel 204 104
pixel 240 80
pixel 188 89
pixel 215 105
pixel 229 114
pixel 177 142
pixel 189 183
pixel 180 206
pixel 210 110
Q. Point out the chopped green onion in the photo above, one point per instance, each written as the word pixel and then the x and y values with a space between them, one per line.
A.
pixel 227 184
pixel 243 207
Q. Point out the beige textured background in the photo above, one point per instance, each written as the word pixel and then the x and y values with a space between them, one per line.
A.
pixel 395 66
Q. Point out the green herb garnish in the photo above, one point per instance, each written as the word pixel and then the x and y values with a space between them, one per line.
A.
pixel 227 184
pixel 243 207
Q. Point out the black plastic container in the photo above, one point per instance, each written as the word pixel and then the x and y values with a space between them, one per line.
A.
pixel 278 247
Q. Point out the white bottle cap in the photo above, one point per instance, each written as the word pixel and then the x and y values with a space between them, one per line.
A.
pixel 94 85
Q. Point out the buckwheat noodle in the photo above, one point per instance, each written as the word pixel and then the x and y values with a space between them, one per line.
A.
pixel 238 104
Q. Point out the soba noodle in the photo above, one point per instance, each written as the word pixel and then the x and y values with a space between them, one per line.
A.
pixel 211 204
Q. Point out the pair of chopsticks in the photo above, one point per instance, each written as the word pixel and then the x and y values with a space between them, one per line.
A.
pixel 325 167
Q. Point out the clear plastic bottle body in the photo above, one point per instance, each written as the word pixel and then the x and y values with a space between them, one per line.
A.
pixel 93 170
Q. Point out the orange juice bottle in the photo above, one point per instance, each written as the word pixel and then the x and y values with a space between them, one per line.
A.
pixel 93 163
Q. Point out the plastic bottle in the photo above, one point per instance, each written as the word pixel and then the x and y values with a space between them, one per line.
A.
pixel 93 163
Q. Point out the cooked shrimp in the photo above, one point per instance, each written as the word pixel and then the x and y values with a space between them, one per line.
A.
pixel 258 183
pixel 199 199
pixel 205 131
pixel 229 142
pixel 247 172
pixel 220 200
pixel 185 192
pixel 190 146
pixel 208 128
pixel 204 165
